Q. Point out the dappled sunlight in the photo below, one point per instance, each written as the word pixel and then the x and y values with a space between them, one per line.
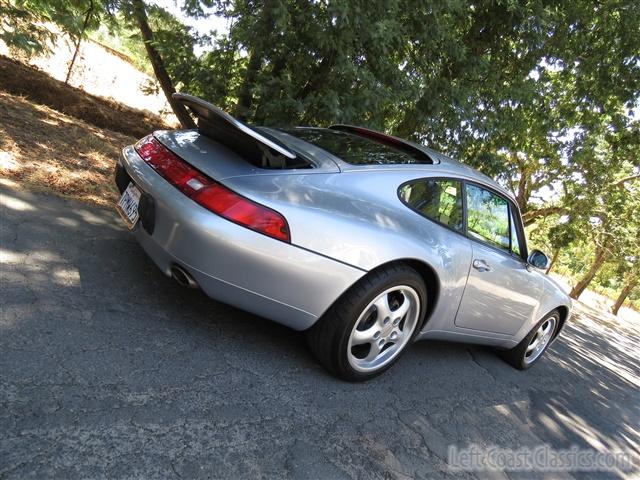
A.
pixel 9 162
pixel 67 222
pixel 89 217
pixel 385 221
pixel 560 422
pixel 82 293
pixel 11 315
pixel 51 122
pixel 9 183
pixel 77 159
pixel 39 268
pixel 580 427
pixel 551 425
pixel 68 277
pixel 603 368
pixel 619 358
pixel 41 145
pixel 7 256
pixel 15 203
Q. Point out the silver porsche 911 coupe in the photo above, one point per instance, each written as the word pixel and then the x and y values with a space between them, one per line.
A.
pixel 366 241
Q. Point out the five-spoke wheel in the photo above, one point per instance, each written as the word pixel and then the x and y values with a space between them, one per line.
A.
pixel 383 328
pixel 371 325
pixel 540 340
pixel 531 348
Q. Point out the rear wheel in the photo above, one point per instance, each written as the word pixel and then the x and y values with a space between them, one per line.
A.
pixel 531 348
pixel 371 325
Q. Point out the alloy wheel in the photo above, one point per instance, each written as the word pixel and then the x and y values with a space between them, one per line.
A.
pixel 540 340
pixel 383 328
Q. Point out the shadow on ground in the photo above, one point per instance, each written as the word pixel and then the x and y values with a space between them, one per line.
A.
pixel 110 369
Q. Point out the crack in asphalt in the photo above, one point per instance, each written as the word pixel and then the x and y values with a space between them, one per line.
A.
pixel 475 360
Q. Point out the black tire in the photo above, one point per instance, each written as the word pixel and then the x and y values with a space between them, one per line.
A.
pixel 516 357
pixel 328 338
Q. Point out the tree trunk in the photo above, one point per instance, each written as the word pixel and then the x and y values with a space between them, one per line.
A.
pixel 79 40
pixel 599 260
pixel 529 217
pixel 264 25
pixel 318 76
pixel 632 281
pixel 556 252
pixel 245 97
pixel 158 65
pixel 522 195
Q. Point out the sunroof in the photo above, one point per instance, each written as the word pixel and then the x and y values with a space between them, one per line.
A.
pixel 366 148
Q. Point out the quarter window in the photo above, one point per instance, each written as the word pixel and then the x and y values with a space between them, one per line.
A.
pixel 437 199
pixel 488 216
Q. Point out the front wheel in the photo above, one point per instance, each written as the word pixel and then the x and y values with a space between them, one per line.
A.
pixel 530 349
pixel 371 325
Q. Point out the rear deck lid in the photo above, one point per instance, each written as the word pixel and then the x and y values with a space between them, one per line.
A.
pixel 258 148
pixel 223 147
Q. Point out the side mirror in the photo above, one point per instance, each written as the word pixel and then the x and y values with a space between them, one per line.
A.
pixel 538 259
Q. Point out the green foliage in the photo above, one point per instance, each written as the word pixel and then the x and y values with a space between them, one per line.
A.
pixel 20 26
pixel 23 22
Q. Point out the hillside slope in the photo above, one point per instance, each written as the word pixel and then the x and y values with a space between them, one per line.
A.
pixel 98 70
pixel 20 79
pixel 43 148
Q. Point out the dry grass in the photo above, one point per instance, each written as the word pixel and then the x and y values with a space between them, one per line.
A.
pixel 20 79
pixel 43 148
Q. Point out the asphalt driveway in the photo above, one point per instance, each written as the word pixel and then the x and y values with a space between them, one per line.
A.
pixel 109 369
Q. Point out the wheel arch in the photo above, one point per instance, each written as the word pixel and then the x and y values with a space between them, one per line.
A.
pixel 563 310
pixel 429 276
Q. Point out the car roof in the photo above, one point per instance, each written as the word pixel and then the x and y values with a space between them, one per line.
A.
pixel 442 163
pixel 445 166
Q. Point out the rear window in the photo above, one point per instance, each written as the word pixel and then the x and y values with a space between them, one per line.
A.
pixel 356 149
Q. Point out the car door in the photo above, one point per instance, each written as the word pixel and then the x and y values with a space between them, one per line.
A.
pixel 502 291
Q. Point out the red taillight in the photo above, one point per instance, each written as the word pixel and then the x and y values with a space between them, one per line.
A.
pixel 210 194
pixel 238 209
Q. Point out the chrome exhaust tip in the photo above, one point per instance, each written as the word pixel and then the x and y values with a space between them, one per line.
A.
pixel 183 277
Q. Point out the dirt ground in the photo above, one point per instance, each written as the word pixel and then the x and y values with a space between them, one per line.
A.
pixel 43 148
pixel 19 79
pixel 100 71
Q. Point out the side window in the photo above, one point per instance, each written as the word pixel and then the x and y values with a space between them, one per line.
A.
pixel 488 216
pixel 515 243
pixel 437 199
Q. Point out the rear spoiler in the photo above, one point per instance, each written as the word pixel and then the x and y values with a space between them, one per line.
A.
pixel 239 137
pixel 384 138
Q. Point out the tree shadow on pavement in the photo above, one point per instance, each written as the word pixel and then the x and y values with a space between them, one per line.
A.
pixel 104 357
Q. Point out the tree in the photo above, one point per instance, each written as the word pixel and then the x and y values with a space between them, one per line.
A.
pixel 630 283
pixel 88 16
pixel 140 14
pixel 537 93
pixel 502 85
pixel 23 23
pixel 609 195
pixel 561 236
pixel 21 26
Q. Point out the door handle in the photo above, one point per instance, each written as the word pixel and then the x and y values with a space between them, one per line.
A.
pixel 481 265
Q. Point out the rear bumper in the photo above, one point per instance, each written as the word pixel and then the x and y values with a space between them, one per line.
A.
pixel 231 263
